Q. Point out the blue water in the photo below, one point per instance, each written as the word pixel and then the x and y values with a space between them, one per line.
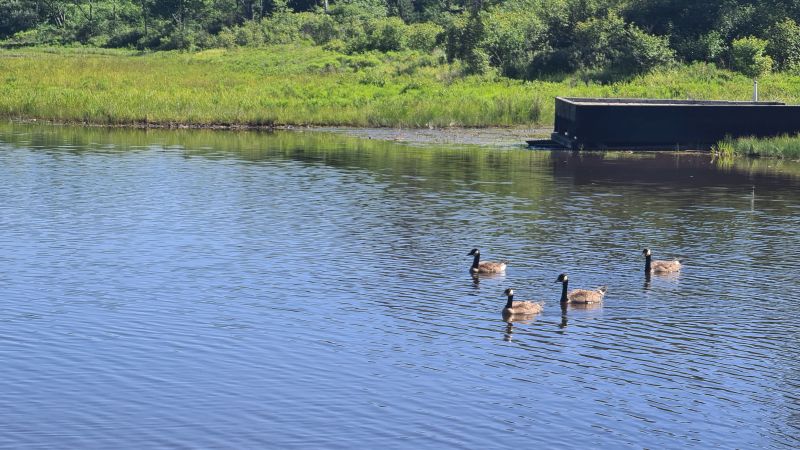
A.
pixel 307 290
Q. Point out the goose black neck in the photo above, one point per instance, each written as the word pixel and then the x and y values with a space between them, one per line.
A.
pixel 647 261
pixel 510 302
pixel 476 260
pixel 564 291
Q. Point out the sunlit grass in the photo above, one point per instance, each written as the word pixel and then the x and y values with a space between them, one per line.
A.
pixel 787 147
pixel 303 85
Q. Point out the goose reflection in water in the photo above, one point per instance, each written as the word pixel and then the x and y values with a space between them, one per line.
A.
pixel 565 307
pixel 508 335
pixel 668 276
pixel 477 278
pixel 520 319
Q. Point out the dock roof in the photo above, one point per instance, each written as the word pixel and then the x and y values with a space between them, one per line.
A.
pixel 660 102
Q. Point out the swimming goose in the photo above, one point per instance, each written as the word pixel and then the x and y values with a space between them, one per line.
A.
pixel 580 295
pixel 519 308
pixel 651 266
pixel 485 266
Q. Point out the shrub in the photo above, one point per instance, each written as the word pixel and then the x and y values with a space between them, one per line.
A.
pixel 424 36
pixel 386 34
pixel 178 40
pixel 478 63
pixel 610 46
pixel 336 45
pixel 42 35
pixel 320 28
pixel 204 39
pixel 708 47
pixel 748 58
pixel 125 37
pixel 281 28
pixel 249 34
pixel 356 38
pixel 511 39
pixel 226 38
pixel 376 76
pixel 642 52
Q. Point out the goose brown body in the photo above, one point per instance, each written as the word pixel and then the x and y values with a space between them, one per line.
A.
pixel 659 266
pixel 580 296
pixel 479 266
pixel 518 308
pixel 490 267
pixel 586 296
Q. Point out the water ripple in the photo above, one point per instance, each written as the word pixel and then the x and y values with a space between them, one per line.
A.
pixel 302 290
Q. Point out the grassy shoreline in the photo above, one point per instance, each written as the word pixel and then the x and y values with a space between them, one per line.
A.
pixel 283 85
pixel 482 136
pixel 301 85
pixel 778 147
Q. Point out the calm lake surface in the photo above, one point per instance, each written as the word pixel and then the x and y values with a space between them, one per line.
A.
pixel 177 289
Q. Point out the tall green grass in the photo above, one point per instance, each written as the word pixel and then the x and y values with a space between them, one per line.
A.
pixel 786 147
pixel 305 85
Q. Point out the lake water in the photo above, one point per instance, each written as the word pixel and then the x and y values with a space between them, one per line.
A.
pixel 177 289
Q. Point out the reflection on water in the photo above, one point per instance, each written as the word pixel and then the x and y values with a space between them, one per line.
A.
pixel 518 319
pixel 493 278
pixel 225 289
pixel 660 277
pixel 578 310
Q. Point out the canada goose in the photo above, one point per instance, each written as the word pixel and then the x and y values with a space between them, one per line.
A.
pixel 519 308
pixel 580 295
pixel 651 266
pixel 485 266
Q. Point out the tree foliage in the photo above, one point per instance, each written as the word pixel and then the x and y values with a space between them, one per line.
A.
pixel 784 44
pixel 747 57
pixel 518 38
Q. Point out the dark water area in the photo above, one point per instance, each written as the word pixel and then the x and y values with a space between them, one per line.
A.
pixel 203 289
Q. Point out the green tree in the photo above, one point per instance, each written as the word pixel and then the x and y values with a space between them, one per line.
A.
pixel 183 13
pixel 641 52
pixel 709 47
pixel 784 44
pixel 614 48
pixel 748 58
pixel 463 38
pixel 18 15
pixel 386 34
pixel 424 36
pixel 511 39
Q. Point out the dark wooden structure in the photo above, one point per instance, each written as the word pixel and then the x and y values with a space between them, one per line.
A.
pixel 597 123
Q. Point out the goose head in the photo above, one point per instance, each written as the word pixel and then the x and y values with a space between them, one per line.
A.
pixel 562 278
pixel 646 252
pixel 474 251
pixel 509 292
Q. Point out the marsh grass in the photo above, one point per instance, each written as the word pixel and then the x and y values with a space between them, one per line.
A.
pixel 307 85
pixel 724 148
pixel 785 147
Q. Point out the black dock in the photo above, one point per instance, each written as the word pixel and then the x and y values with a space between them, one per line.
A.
pixel 600 123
